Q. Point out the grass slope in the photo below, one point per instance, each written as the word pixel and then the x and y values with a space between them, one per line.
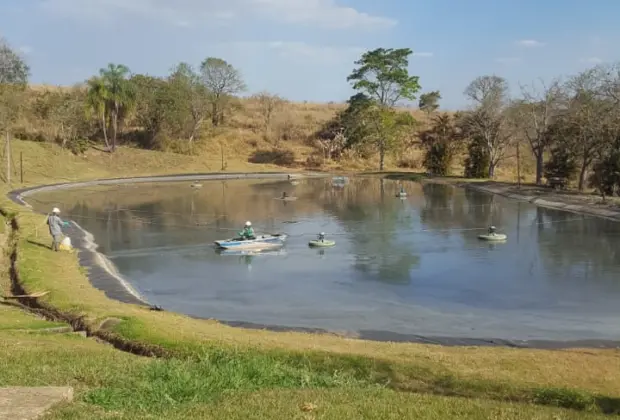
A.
pixel 214 371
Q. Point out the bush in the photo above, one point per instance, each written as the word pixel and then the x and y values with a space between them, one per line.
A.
pixel 408 163
pixel 561 165
pixel 315 160
pixel 280 157
pixel 606 175
pixel 477 161
pixel 78 146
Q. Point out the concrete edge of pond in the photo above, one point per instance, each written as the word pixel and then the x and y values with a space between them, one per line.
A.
pixel 103 277
pixel 547 202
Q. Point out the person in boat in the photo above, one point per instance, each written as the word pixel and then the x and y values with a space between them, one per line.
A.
pixel 55 224
pixel 284 195
pixel 247 232
pixel 402 189
pixel 492 230
pixel 321 236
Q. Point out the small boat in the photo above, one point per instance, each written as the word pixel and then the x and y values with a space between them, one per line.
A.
pixel 401 194
pixel 294 182
pixel 318 243
pixel 496 237
pixel 260 242
pixel 286 198
pixel 196 185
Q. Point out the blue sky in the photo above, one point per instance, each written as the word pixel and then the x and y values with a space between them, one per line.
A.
pixel 304 49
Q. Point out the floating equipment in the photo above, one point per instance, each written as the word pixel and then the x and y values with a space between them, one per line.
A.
pixel 318 243
pixel 496 237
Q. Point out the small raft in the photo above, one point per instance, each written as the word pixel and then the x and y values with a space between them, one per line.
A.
pixel 196 185
pixel 286 198
pixel 495 237
pixel 318 243
pixel 401 195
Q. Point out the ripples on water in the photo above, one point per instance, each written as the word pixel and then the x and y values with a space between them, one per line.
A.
pixel 411 266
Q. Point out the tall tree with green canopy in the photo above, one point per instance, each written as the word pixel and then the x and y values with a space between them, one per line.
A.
pixel 222 80
pixel 383 76
pixel 120 95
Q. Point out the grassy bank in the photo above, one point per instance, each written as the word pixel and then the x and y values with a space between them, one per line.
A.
pixel 209 370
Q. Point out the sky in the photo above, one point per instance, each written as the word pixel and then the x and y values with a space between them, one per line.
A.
pixel 305 49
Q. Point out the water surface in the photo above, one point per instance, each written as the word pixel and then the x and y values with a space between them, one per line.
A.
pixel 411 266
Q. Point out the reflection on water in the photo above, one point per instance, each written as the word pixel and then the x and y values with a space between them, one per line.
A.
pixel 408 266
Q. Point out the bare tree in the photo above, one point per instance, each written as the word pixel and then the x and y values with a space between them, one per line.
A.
pixel 533 114
pixel 488 121
pixel 222 80
pixel 589 120
pixel 268 104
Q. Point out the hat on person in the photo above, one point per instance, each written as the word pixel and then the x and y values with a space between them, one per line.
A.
pixel 55 210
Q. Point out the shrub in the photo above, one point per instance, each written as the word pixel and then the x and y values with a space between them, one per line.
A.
pixel 280 157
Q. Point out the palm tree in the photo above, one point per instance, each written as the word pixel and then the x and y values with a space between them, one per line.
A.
pixel 97 100
pixel 120 95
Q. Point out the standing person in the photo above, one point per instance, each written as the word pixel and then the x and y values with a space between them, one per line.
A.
pixel 55 224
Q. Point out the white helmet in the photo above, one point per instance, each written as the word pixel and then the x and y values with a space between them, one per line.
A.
pixel 55 210
pixel 248 223
pixel 322 233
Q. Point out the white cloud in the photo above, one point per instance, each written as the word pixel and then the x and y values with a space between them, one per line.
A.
pixel 323 13
pixel 591 60
pixel 423 54
pixel 508 60
pixel 529 43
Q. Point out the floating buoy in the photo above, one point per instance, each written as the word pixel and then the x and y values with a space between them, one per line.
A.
pixel 496 237
pixel 321 243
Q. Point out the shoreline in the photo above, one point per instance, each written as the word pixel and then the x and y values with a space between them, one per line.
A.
pixel 551 200
pixel 103 276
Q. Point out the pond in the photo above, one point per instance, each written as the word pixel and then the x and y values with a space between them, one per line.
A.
pixel 406 266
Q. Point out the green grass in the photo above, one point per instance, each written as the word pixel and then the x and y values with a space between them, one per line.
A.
pixel 222 385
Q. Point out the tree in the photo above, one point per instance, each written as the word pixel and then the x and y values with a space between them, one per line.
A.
pixel 442 142
pixel 222 80
pixel 587 125
pixel 382 76
pixel 191 95
pixel 487 124
pixel 429 102
pixel 268 104
pixel 533 113
pixel 96 102
pixel 384 129
pixel 119 95
pixel 14 74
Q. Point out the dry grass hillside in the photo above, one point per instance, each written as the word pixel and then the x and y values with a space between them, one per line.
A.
pixel 290 141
